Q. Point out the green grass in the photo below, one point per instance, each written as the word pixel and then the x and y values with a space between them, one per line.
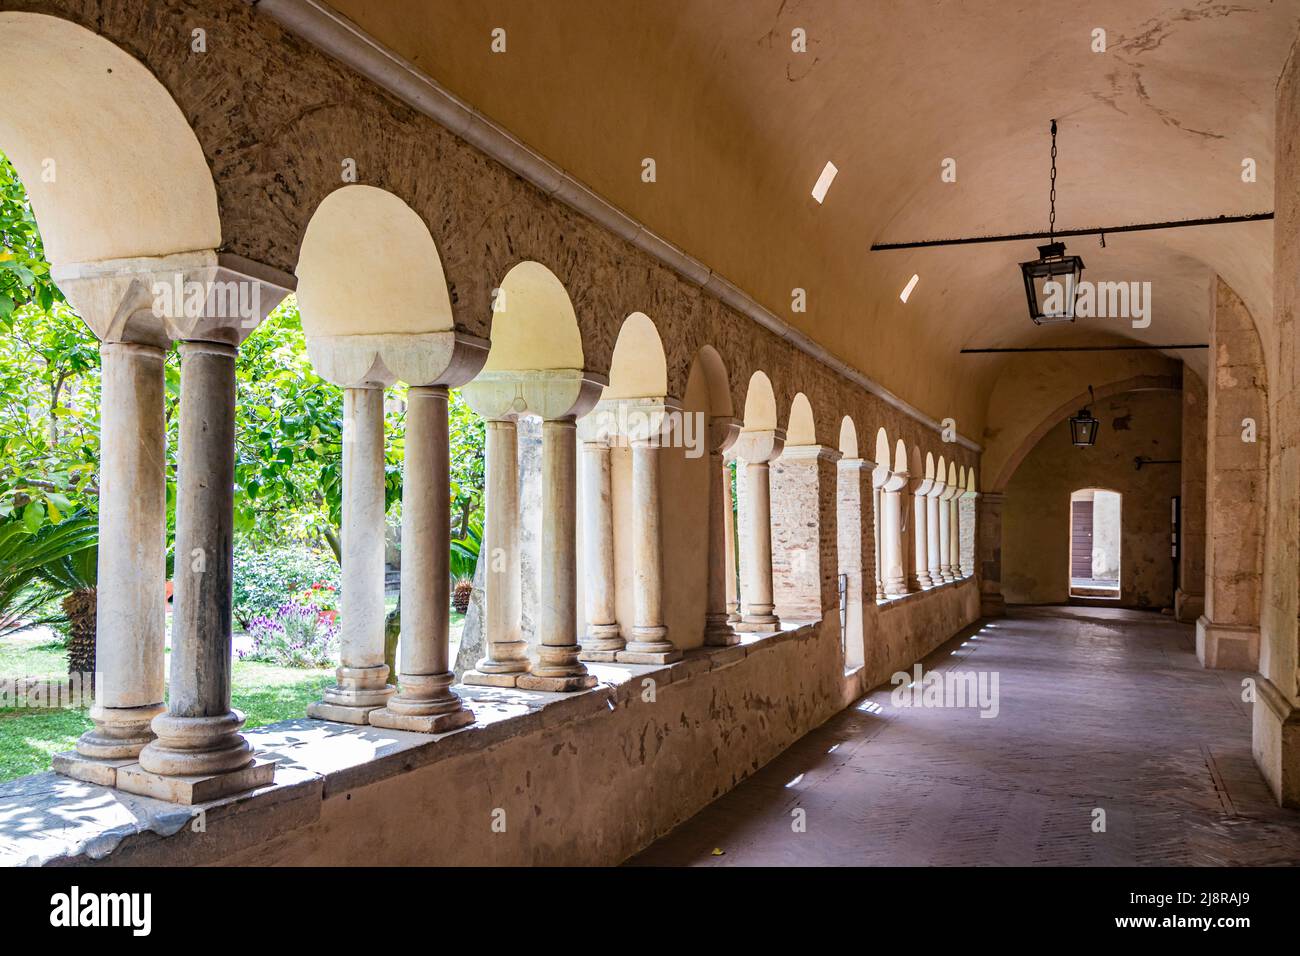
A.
pixel 264 692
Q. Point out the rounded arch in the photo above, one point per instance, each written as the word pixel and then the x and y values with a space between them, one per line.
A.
pixel 941 473
pixel 800 429
pixel 639 368
pixel 1067 408
pixel 929 466
pixel 97 140
pixel 368 265
pixel 708 362
pixel 534 326
pixel 848 438
pixel 900 457
pixel 760 404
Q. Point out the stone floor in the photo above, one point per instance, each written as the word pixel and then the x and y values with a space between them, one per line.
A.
pixel 1097 708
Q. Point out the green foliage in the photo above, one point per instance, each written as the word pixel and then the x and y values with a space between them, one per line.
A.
pixel 24 273
pixel 266 578
pixel 294 635
pixel 465 551
pixel 32 555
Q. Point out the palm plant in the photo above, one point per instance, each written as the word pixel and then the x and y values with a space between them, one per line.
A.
pixel 30 562
pixel 75 575
pixel 464 560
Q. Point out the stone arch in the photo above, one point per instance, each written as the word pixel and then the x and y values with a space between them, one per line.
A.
pixel 709 364
pixel 1065 409
pixel 534 325
pixel 760 404
pixel 800 428
pixel 116 139
pixel 639 368
pixel 848 438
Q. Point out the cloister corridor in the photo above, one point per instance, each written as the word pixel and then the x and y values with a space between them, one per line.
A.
pixel 636 435
pixel 1100 709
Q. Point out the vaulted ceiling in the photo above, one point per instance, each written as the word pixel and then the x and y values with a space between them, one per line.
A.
pixel 739 125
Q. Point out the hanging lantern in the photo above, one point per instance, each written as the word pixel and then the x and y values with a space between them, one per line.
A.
pixel 1083 427
pixel 1052 280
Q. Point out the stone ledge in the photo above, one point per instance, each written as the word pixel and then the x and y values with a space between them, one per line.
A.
pixel 910 596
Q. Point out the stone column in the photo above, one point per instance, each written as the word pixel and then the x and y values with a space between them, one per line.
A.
pixel 558 667
pixel 954 535
pixel 933 540
pixel 988 551
pixel 129 639
pixel 199 753
pixel 920 533
pixel 891 535
pixel 945 536
pixel 603 640
pixel 729 525
pixel 1228 633
pixel 878 475
pixel 362 676
pixel 1189 599
pixel 506 651
pixel 757 448
pixel 424 701
pixel 717 619
pixel 969 529
pixel 649 644
pixel 805 521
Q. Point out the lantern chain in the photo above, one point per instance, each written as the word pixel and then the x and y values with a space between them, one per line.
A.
pixel 1051 227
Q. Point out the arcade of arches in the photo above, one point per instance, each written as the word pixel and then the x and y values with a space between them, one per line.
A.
pixel 768 481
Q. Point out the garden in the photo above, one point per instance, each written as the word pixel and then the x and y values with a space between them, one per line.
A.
pixel 288 477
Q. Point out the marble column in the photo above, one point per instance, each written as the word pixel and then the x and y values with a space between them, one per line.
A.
pixel 718 631
pixel 757 591
pixel 880 561
pixel 425 701
pixel 603 639
pixel 557 667
pixel 954 535
pixel 506 656
pixel 729 529
pixel 199 753
pixel 933 542
pixel 920 533
pixel 891 542
pixel 130 607
pixel 649 643
pixel 945 536
pixel 362 676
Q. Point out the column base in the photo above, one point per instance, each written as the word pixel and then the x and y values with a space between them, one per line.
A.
pixel 720 633
pixel 359 691
pixel 993 605
pixel 1233 647
pixel 1188 607
pixel 922 580
pixel 119 732
pixel 562 685
pixel 632 656
pixel 1275 742
pixel 102 771
pixel 478 678
pixel 767 624
pixel 733 615
pixel 602 643
pixel 422 723
pixel 195 788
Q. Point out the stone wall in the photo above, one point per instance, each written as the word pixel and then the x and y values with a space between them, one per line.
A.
pixel 1036 512
pixel 566 779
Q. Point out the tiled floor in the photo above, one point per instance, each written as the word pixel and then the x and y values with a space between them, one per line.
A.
pixel 1098 709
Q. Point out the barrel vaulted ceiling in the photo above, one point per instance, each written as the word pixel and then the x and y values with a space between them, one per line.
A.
pixel 740 126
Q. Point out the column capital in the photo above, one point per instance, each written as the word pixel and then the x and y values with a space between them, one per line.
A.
pixel 549 393
pixel 154 300
pixel 810 453
pixel 447 358
pixel 760 446
pixel 723 432
pixel 629 420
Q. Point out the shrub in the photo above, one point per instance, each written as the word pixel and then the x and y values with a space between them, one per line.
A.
pixel 295 635
pixel 265 579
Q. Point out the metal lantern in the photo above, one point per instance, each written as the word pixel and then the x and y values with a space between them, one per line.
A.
pixel 1083 427
pixel 1052 284
pixel 1052 280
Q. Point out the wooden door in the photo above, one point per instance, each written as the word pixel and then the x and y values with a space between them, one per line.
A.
pixel 1081 539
